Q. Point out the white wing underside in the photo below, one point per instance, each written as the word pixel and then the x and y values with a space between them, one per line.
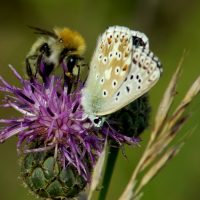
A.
pixel 119 72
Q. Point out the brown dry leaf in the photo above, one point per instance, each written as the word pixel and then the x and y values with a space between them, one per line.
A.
pixel 160 144
pixel 168 136
pixel 191 94
pixel 158 152
pixel 166 102
pixel 172 126
pixel 138 197
pixel 128 194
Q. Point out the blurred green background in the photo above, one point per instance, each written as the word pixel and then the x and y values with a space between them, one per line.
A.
pixel 172 27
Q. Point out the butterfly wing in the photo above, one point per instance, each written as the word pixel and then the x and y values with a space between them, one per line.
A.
pixel 120 71
pixel 143 75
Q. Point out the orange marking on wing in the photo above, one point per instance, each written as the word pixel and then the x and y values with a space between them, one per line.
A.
pixel 125 68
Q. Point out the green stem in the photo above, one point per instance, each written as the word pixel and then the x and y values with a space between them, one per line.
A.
pixel 112 158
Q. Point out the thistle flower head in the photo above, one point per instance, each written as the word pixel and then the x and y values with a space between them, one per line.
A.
pixel 57 121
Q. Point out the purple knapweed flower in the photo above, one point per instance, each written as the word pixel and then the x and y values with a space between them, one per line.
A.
pixel 57 120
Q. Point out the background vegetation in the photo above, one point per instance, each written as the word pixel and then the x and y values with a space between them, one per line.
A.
pixel 171 25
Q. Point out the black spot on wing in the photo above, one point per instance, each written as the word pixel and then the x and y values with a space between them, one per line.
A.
pixel 127 89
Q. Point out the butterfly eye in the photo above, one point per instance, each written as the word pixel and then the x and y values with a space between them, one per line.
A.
pixel 98 121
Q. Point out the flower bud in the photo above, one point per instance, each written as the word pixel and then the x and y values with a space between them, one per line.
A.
pixel 45 176
pixel 134 118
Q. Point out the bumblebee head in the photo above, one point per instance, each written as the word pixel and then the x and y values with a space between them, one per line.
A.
pixel 61 47
pixel 71 40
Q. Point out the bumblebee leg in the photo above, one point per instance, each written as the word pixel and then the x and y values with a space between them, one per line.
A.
pixel 40 68
pixel 68 81
pixel 28 68
pixel 83 65
pixel 75 83
pixel 29 72
pixel 78 75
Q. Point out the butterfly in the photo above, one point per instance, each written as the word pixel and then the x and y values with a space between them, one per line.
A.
pixel 121 70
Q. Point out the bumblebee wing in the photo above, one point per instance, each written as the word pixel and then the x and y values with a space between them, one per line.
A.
pixel 41 31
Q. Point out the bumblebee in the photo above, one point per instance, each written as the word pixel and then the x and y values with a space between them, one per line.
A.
pixel 62 47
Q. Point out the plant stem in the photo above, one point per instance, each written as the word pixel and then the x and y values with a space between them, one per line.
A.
pixel 112 158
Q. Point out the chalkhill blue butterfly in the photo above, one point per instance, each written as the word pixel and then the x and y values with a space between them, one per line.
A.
pixel 121 70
